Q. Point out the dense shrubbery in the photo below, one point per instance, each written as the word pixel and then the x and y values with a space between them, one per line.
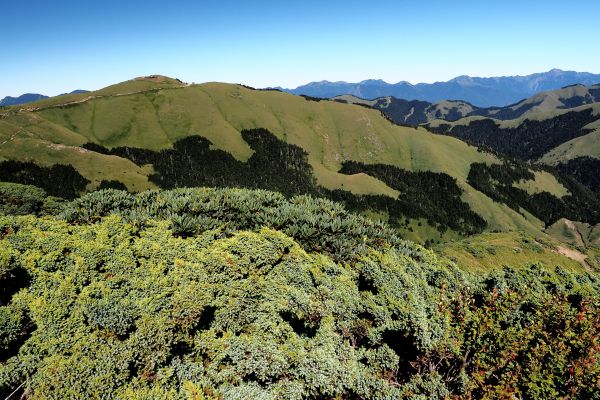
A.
pixel 496 181
pixel 194 293
pixel 317 224
pixel 122 309
pixel 530 334
pixel 17 199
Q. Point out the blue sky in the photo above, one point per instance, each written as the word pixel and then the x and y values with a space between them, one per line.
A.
pixel 56 46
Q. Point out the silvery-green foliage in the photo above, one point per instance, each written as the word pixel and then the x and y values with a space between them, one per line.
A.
pixel 140 311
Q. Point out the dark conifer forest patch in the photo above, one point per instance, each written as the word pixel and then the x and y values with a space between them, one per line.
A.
pixel 282 167
pixel 585 169
pixel 528 141
pixel 496 181
pixel 58 180
pixel 423 193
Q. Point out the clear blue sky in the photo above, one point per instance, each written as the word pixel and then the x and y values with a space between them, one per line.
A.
pixel 57 46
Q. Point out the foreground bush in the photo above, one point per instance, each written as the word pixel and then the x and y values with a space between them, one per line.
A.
pixel 123 310
pixel 17 199
pixel 317 224
pixel 242 294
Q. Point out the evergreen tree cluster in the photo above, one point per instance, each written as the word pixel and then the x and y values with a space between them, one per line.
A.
pixel 529 140
pixel 58 180
pixel 497 181
pixel 585 169
pixel 424 193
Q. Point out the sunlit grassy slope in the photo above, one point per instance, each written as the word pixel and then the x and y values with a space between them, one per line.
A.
pixel 155 112
pixel 587 145
pixel 575 233
pixel 488 251
pixel 543 182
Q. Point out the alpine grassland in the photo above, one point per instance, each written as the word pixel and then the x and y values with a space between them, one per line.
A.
pixel 156 113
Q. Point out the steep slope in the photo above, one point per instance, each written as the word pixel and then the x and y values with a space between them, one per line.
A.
pixel 581 146
pixel 155 113
pixel 526 138
pixel 489 251
pixel 414 112
pixel 157 117
pixel 483 92
pixel 575 233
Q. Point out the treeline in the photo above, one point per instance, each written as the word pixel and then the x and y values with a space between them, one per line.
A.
pixel 529 140
pixel 497 180
pixel 261 89
pixel 282 167
pixel 274 165
pixel 503 113
pixel 58 180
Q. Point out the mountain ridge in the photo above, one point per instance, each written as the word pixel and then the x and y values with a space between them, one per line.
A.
pixel 480 91
pixel 540 105
pixel 32 97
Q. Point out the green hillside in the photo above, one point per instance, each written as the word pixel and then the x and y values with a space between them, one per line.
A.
pixel 582 146
pixel 555 131
pixel 329 131
pixel 156 112
pixel 489 251
pixel 556 128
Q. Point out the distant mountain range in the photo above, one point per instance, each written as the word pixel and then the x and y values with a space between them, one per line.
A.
pixel 415 112
pixel 30 98
pixel 557 127
pixel 482 92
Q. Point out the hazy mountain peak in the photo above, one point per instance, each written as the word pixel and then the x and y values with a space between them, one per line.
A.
pixel 482 92
pixel 22 99
pixel 31 97
pixel 374 81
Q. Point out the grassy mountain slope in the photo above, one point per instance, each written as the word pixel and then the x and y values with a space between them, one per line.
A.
pixel 553 136
pixel 573 138
pixel 576 233
pixel 154 112
pixel 489 251
pixel 559 128
pixel 582 146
